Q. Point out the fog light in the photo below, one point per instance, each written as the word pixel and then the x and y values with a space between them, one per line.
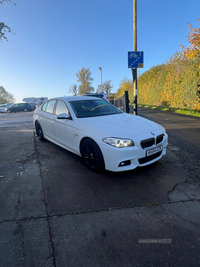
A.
pixel 125 163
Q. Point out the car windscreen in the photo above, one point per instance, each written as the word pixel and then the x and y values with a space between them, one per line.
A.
pixel 93 108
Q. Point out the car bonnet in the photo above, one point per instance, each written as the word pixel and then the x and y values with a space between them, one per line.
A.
pixel 121 125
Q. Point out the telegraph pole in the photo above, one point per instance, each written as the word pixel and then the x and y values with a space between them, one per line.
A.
pixel 100 68
pixel 134 71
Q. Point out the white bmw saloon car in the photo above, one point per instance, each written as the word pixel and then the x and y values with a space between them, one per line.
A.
pixel 100 133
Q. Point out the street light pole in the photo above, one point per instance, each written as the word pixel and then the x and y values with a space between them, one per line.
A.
pixel 100 68
pixel 134 71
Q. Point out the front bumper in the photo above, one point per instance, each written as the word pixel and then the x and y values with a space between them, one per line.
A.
pixel 132 156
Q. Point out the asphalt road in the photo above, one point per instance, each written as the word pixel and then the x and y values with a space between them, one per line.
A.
pixel 184 131
pixel 55 212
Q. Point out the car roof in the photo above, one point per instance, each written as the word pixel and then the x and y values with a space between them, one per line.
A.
pixel 101 93
pixel 21 103
pixel 74 98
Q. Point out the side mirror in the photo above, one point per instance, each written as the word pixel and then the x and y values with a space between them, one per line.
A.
pixel 63 116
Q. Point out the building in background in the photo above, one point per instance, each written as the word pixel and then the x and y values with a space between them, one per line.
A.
pixel 37 101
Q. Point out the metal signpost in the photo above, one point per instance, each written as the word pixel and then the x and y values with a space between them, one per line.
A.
pixel 135 58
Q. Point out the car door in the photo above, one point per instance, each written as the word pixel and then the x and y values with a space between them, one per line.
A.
pixel 47 119
pixel 62 125
pixel 14 108
pixel 66 130
pixel 21 107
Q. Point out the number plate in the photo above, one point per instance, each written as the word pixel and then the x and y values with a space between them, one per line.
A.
pixel 154 150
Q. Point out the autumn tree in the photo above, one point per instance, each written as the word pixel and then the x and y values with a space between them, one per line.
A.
pixel 85 81
pixel 193 50
pixel 74 90
pixel 5 96
pixel 106 87
pixel 125 85
pixel 3 27
pixel 99 88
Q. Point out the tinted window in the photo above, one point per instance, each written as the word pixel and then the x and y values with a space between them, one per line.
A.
pixel 61 108
pixel 50 106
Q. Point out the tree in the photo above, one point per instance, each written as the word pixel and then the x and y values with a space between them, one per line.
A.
pixel 106 87
pixel 3 26
pixel 74 89
pixel 5 96
pixel 3 29
pixel 85 80
pixel 99 88
pixel 125 85
pixel 193 50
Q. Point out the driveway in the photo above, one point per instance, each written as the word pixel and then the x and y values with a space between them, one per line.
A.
pixel 55 212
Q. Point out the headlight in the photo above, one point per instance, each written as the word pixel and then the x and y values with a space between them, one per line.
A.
pixel 118 142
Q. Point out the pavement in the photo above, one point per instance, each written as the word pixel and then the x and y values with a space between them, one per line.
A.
pixel 56 212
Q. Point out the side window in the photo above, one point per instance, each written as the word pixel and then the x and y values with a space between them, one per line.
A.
pixel 50 106
pixel 61 108
pixel 44 106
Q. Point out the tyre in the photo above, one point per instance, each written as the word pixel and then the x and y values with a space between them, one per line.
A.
pixel 92 155
pixel 9 111
pixel 25 110
pixel 39 132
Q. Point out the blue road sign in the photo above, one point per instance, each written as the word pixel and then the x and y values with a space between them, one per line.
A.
pixel 135 59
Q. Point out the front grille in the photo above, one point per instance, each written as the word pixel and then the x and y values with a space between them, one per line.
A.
pixel 159 139
pixel 147 143
pixel 147 159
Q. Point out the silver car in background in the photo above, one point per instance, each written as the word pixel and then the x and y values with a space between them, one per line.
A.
pixel 4 107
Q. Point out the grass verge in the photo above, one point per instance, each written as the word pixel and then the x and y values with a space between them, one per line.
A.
pixel 176 110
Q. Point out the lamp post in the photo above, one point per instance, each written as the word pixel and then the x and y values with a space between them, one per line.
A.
pixel 100 68
pixel 134 71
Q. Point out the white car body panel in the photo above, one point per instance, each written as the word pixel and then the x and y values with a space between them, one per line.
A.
pixel 69 133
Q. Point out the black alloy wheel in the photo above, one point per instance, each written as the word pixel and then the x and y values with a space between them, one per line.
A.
pixel 39 132
pixel 92 155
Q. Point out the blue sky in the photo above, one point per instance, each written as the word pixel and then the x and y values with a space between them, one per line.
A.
pixel 54 39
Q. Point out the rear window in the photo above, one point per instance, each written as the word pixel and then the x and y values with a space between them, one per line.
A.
pixel 50 106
